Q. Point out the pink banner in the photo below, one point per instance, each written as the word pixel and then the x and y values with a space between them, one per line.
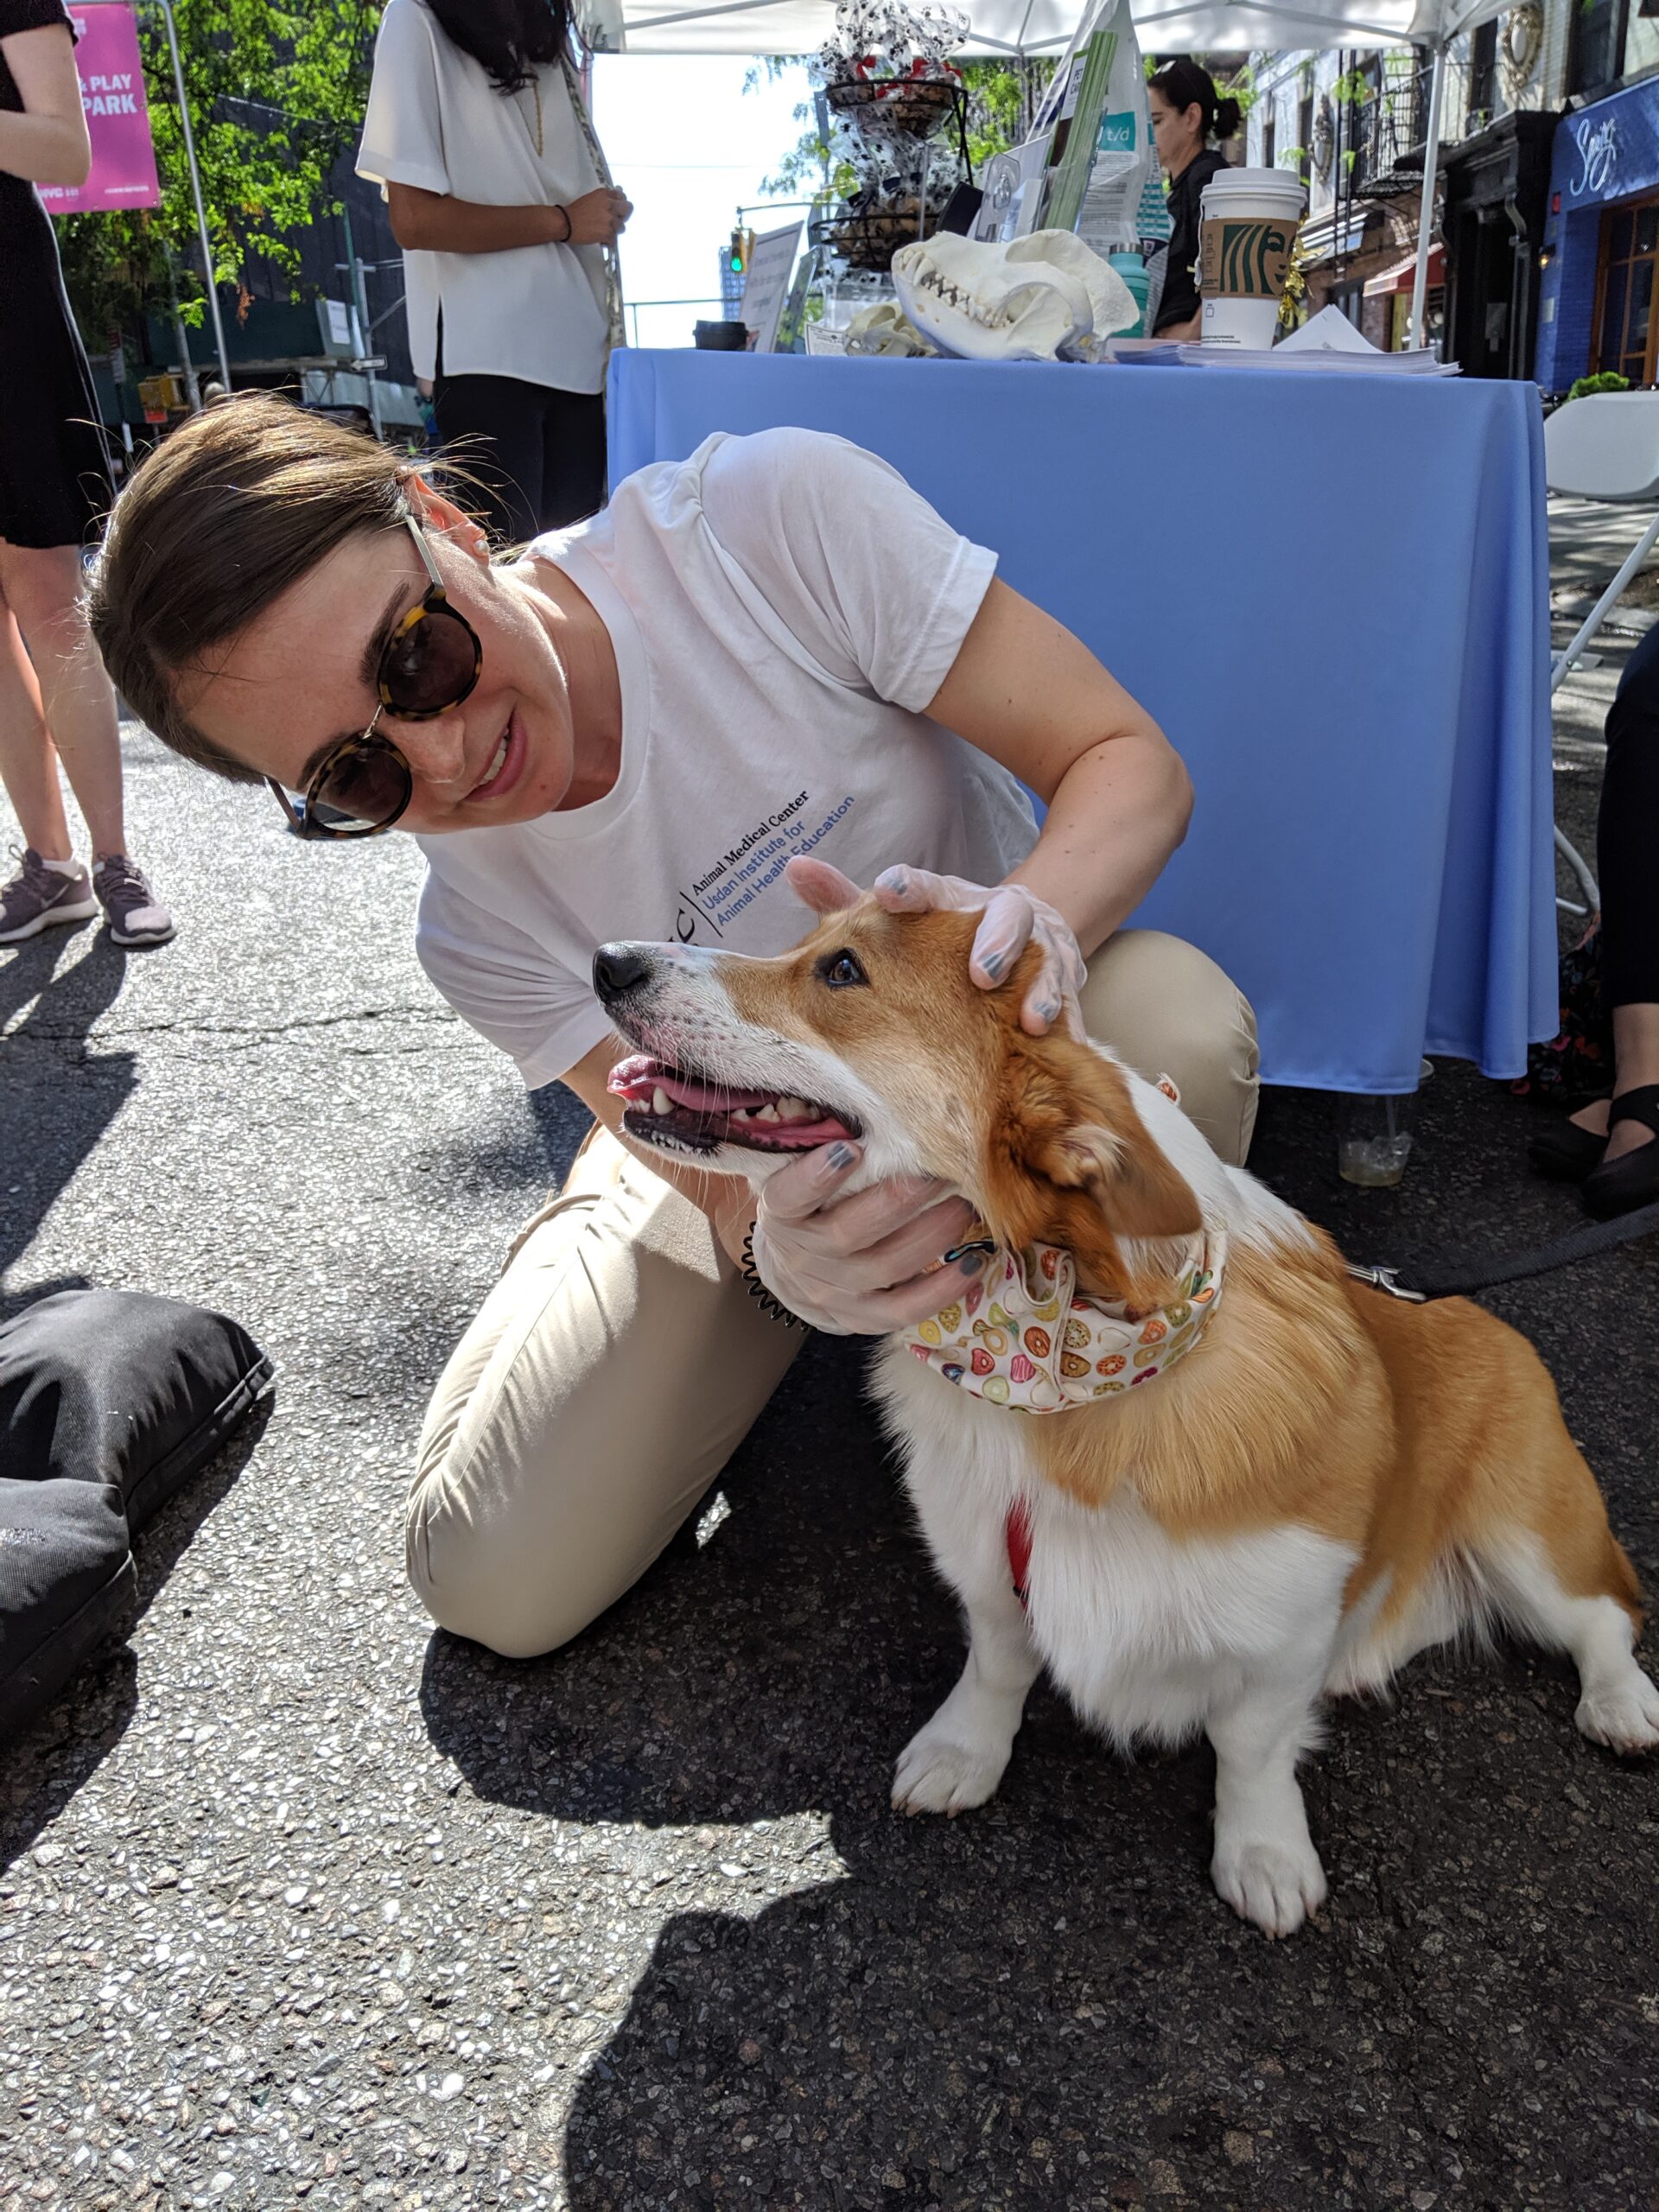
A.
pixel 113 93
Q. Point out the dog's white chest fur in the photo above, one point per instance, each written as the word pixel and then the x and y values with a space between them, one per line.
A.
pixel 1147 1634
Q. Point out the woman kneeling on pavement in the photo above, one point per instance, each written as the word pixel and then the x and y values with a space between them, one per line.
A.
pixel 773 645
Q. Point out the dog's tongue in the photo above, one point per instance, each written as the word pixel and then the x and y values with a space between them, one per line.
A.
pixel 637 1077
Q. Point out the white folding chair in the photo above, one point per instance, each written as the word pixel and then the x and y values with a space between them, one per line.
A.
pixel 1605 447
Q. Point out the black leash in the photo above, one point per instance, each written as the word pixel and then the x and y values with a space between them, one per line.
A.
pixel 1416 1283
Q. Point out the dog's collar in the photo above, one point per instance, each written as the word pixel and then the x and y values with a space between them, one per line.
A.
pixel 1024 1336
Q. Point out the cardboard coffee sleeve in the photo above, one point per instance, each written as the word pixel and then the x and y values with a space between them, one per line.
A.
pixel 1244 257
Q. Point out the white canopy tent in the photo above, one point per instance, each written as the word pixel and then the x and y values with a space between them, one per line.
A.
pixel 1045 27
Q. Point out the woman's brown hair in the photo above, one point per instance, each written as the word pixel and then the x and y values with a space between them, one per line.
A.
pixel 233 508
pixel 1183 83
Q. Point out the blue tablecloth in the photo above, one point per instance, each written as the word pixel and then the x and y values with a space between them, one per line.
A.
pixel 1331 592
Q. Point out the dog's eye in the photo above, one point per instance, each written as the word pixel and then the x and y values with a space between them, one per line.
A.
pixel 841 970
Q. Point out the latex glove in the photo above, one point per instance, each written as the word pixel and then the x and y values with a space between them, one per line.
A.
pixel 864 1265
pixel 1013 918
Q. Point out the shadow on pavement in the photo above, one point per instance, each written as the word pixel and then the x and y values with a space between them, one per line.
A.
pixel 57 1100
pixel 41 1769
pixel 1044 2004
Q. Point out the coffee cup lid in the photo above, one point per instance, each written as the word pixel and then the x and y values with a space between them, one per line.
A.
pixel 1278 188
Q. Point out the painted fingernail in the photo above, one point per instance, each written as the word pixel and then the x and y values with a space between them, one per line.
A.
pixel 973 1263
pixel 892 878
pixel 1048 1008
pixel 839 1156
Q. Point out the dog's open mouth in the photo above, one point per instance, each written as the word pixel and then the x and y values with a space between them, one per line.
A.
pixel 698 1114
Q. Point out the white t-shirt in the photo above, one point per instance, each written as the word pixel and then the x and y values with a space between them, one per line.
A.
pixel 782 607
pixel 436 121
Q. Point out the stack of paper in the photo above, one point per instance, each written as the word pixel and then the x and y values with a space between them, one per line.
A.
pixel 1326 341
pixel 1420 362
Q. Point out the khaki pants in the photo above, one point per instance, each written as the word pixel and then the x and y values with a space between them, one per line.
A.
pixel 619 1362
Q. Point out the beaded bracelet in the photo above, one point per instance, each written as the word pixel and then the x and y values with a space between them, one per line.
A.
pixel 757 1291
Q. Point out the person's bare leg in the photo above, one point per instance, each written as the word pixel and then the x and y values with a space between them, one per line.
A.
pixel 1635 1061
pixel 29 766
pixel 42 585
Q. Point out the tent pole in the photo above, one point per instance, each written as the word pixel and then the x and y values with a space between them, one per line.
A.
pixel 211 288
pixel 1426 219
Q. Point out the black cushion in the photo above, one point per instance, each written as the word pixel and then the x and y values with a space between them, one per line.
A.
pixel 116 1386
pixel 67 1587
pixel 108 1401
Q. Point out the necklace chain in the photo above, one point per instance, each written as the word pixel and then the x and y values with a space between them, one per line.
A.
pixel 536 87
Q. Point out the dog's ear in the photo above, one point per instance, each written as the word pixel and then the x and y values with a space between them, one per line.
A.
pixel 1071 1162
pixel 820 886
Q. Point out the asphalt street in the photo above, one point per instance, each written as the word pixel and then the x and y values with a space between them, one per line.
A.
pixel 300 1901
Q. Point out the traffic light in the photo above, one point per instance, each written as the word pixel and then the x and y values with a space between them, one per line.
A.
pixel 741 252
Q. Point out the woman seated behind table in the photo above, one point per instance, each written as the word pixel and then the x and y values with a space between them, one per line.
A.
pixel 774 644
pixel 1187 113
pixel 1612 1146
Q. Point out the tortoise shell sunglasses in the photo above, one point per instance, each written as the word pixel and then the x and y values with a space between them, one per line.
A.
pixel 431 662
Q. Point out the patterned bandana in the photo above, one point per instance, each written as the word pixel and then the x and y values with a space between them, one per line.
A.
pixel 1031 1341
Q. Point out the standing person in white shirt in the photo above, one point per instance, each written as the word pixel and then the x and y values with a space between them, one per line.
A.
pixel 658 724
pixel 495 182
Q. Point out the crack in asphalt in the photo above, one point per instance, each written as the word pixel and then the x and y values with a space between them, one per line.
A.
pixel 27 1032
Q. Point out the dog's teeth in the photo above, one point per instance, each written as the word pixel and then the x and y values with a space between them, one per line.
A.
pixel 769 1113
pixel 742 1113
pixel 660 1101
pixel 793 1109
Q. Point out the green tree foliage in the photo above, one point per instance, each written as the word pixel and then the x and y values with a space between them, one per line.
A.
pixel 276 92
pixel 1003 98
pixel 1604 380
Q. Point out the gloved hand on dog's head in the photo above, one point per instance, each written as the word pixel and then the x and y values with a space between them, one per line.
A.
pixel 1012 918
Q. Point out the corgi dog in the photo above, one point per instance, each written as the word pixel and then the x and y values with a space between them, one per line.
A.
pixel 1173 1452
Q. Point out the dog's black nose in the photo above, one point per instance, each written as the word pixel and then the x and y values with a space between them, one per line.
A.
pixel 618 969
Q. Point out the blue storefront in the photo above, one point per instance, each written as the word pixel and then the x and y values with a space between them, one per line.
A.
pixel 1597 308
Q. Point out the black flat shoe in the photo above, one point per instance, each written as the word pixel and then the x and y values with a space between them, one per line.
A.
pixel 1621 1185
pixel 1565 1153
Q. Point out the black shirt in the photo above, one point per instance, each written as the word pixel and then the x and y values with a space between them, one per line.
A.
pixel 1180 300
pixel 54 475
pixel 25 16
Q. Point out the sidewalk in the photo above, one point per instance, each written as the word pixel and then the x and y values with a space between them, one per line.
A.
pixel 303 1903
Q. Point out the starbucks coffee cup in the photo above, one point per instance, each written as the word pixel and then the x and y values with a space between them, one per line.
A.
pixel 1248 221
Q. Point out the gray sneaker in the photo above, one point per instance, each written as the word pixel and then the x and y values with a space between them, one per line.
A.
pixel 40 896
pixel 136 916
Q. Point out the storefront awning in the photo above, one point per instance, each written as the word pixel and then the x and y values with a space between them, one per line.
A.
pixel 1399 278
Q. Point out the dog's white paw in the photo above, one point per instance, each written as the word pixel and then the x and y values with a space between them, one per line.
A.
pixel 1623 1715
pixel 935 1775
pixel 1273 1882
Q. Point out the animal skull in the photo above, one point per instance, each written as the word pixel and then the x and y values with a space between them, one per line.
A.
pixel 1032 301
pixel 883 329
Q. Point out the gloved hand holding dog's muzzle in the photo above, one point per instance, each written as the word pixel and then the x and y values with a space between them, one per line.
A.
pixel 864 1265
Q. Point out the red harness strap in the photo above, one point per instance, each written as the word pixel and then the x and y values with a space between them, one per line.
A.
pixel 1017 1532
